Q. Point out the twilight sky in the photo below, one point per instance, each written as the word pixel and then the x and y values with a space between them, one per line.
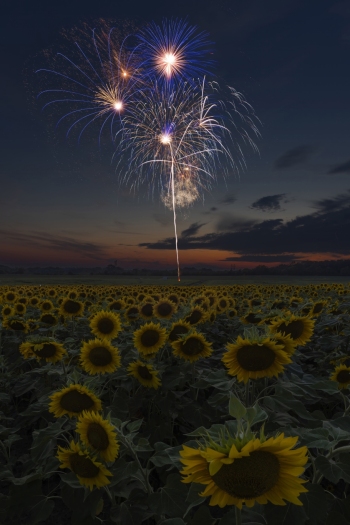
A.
pixel 61 203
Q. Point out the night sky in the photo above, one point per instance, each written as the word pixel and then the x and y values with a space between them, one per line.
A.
pixel 62 204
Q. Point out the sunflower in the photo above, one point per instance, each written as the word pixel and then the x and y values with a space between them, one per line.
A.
pixel 146 309
pixel 49 319
pixel 72 400
pixel 260 471
pixel 178 329
pixel 46 306
pixel 287 343
pixel 42 348
pixel 116 305
pixel 145 374
pixel 192 347
pixel 251 318
pixel 342 375
pixel 88 471
pixel 149 338
pixel 197 315
pixel 99 434
pixel 16 323
pixel 7 311
pixel 20 308
pixel 105 325
pixel 299 328
pixel 10 297
pixel 71 308
pixel 99 356
pixel 254 358
pixel 131 313
pixel 34 301
pixel 317 308
pixel 164 309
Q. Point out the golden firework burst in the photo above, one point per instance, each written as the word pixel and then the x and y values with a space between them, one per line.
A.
pixel 99 357
pixel 145 374
pixel 260 471
pixel 254 358
pixel 89 472
pixel 99 434
pixel 149 338
pixel 105 325
pixel 192 347
pixel 73 400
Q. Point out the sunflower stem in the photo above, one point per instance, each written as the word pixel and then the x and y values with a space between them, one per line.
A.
pixel 247 393
pixel 238 516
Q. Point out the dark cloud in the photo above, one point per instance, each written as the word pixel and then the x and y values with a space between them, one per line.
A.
pixel 324 231
pixel 55 242
pixel 229 222
pixel 210 211
pixel 293 157
pixel 341 168
pixel 228 199
pixel 337 203
pixel 192 230
pixel 213 208
pixel 269 203
pixel 262 258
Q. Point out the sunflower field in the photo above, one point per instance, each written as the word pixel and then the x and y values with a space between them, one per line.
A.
pixel 175 405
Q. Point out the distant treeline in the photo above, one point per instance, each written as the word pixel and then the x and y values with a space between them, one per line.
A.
pixel 337 267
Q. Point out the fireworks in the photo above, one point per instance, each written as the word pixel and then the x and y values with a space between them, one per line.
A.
pixel 170 125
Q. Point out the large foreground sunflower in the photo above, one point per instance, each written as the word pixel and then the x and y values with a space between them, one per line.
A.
pixel 149 338
pixel 299 328
pixel 88 471
pixel 105 325
pixel 192 347
pixel 145 374
pixel 252 359
pixel 341 374
pixel 260 471
pixel 73 400
pixel 99 356
pixel 99 434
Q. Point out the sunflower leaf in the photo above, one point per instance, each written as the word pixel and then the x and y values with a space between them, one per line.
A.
pixel 236 408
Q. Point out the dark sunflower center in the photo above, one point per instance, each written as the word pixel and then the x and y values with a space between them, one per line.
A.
pixel 147 310
pixel 176 331
pixel 318 307
pixel 222 303
pixel 105 325
pixel 343 376
pixel 249 477
pixel 71 307
pixel 20 307
pixel 252 318
pixel 144 373
pixel 149 338
pixel 192 346
pixel 174 298
pixel 255 357
pixel 17 325
pixel 7 310
pixel 164 309
pixel 116 305
pixel 46 306
pixel 133 311
pixel 48 350
pixel 194 317
pixel 48 319
pixel 294 328
pixel 83 466
pixel 75 401
pixel 100 356
pixel 97 436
